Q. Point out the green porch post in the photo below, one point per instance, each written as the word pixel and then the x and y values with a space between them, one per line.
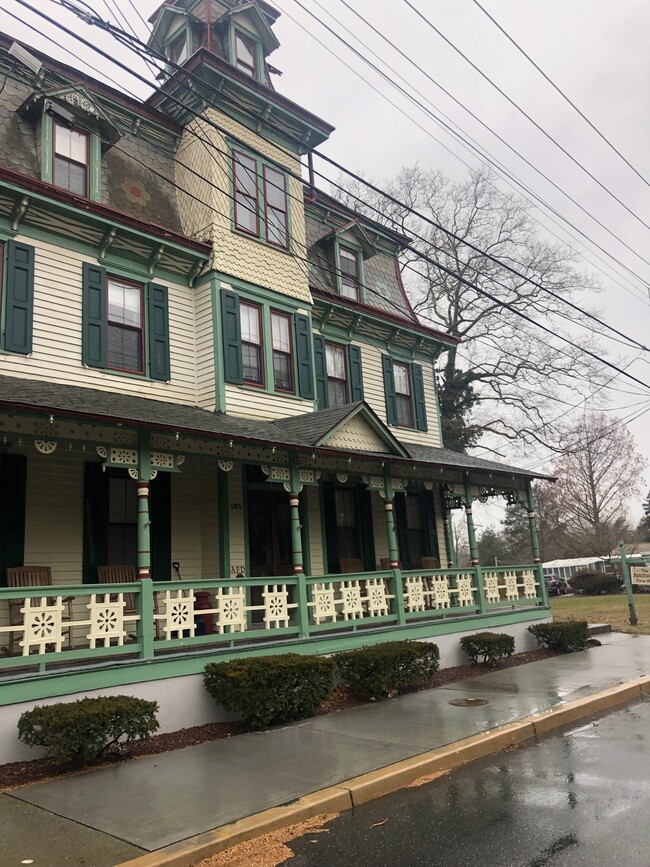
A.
pixel 473 546
pixel 534 542
pixel 294 489
pixel 393 552
pixel 144 524
pixel 449 539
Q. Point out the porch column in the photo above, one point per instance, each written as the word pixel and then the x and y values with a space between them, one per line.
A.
pixel 393 552
pixel 294 489
pixel 471 532
pixel 532 524
pixel 449 538
pixel 534 542
pixel 144 524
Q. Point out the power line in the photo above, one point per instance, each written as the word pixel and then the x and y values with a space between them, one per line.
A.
pixel 560 92
pixel 511 179
pixel 420 255
pixel 523 112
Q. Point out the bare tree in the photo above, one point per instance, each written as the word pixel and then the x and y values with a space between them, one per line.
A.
pixel 599 473
pixel 505 377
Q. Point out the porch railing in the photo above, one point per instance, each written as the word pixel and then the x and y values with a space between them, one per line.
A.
pixel 50 626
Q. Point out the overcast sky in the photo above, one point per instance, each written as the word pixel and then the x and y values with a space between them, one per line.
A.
pixel 595 50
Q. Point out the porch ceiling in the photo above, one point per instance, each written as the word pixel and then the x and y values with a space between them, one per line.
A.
pixel 306 432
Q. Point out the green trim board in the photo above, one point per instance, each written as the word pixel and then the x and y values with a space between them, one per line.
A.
pixel 52 684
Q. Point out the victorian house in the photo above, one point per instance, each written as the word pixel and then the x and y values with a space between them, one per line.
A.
pixel 219 428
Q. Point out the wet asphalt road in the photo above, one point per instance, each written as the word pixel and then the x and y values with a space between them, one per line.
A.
pixel 580 797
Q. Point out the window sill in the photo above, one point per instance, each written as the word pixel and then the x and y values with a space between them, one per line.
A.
pixel 272 393
pixel 243 234
pixel 124 374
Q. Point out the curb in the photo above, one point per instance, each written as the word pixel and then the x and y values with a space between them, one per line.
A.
pixel 359 790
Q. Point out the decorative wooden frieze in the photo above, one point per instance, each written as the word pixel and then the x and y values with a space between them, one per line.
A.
pixel 225 466
pixel 45 447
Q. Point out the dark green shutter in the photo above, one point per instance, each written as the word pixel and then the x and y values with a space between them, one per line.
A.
pixel 159 367
pixel 355 374
pixel 160 513
pixel 13 485
pixel 303 357
pixel 95 539
pixel 231 327
pixel 418 397
pixel 19 297
pixel 320 366
pixel 94 316
pixel 389 389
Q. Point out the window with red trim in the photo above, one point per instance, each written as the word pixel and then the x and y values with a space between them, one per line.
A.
pixel 281 325
pixel 250 316
pixel 275 210
pixel 246 193
pixel 246 55
pixel 337 378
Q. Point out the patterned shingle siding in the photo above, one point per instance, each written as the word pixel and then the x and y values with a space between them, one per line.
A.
pixel 18 139
pixel 233 253
pixel 56 355
pixel 358 436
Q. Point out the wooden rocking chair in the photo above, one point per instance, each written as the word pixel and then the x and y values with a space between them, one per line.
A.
pixel 32 576
pixel 351 565
pixel 126 574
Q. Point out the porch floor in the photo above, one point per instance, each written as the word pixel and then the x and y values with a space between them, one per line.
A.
pixel 166 798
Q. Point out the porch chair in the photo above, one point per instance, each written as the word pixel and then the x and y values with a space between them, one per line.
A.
pixel 126 574
pixel 32 576
pixel 429 563
pixel 351 565
pixel 385 563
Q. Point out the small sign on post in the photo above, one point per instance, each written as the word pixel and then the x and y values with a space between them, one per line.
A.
pixel 628 585
pixel 640 575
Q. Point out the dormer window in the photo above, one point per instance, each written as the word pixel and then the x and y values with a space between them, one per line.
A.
pixel 177 50
pixel 350 276
pixel 246 55
pixel 71 159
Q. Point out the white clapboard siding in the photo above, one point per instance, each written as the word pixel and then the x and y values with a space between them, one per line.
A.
pixel 56 355
pixel 373 387
pixel 209 520
pixel 205 348
pixel 314 524
pixel 186 519
pixel 258 404
pixel 236 507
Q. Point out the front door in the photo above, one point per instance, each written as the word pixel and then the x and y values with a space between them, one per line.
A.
pixel 269 533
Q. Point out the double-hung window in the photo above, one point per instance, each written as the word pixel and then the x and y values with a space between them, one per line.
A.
pixel 404 392
pixel 125 321
pixel 71 159
pixel 125 325
pixel 246 55
pixel 403 400
pixel 350 278
pixel 260 200
pixel 251 343
pixel 246 193
pixel 178 49
pixel 265 347
pixel 337 379
pixel 281 326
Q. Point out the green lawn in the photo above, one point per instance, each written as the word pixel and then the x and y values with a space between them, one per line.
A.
pixel 604 609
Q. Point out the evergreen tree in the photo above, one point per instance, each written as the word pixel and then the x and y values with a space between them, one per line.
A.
pixel 643 529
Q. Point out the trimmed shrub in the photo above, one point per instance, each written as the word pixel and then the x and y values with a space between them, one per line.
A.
pixel 563 636
pixel 487 647
pixel 384 669
pixel 268 690
pixel 83 730
pixel 593 583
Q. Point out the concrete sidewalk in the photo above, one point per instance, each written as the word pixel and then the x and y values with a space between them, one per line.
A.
pixel 106 816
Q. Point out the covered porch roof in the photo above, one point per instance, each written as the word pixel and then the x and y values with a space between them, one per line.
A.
pixel 313 432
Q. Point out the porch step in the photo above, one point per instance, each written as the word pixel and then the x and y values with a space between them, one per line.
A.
pixel 599 628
